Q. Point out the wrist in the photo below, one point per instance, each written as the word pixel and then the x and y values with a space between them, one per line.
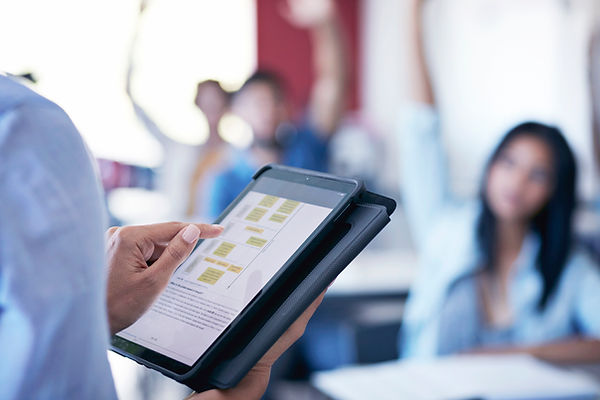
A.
pixel 113 325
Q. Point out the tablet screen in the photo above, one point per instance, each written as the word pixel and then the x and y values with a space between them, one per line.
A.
pixel 222 276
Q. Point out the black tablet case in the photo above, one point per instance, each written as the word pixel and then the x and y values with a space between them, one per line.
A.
pixel 352 234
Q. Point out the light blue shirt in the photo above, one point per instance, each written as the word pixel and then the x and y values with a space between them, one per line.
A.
pixel 444 233
pixel 53 327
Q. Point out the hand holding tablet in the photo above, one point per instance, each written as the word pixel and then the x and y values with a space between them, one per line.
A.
pixel 136 250
pixel 267 266
pixel 141 260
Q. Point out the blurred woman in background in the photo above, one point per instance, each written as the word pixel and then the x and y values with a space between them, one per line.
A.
pixel 499 274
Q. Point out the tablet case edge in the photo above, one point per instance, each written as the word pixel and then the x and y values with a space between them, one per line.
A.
pixel 366 222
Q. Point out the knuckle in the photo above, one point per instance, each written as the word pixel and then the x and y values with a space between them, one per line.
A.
pixel 124 236
pixel 113 237
pixel 126 232
pixel 175 251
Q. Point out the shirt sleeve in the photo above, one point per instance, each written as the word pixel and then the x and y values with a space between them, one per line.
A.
pixel 53 325
pixel 424 184
pixel 307 149
pixel 225 188
pixel 587 303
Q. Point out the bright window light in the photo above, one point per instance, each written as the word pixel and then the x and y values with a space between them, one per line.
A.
pixel 235 130
pixel 79 52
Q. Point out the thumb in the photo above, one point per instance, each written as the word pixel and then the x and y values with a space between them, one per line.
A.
pixel 178 249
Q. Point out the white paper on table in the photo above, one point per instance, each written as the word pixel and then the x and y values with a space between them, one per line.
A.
pixel 490 377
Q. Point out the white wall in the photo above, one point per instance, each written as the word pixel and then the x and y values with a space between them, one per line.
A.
pixel 495 63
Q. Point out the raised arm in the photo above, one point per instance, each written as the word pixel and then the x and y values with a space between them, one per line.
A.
pixel 420 89
pixel 328 93
pixel 140 113
pixel 422 158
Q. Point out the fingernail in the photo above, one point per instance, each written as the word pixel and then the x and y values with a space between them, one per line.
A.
pixel 191 233
pixel 218 226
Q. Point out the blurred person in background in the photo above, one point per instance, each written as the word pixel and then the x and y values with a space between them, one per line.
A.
pixel 261 102
pixel 187 171
pixel 500 274
pixel 213 101
pixel 62 292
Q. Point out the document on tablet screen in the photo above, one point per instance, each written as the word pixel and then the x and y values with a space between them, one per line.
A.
pixel 224 274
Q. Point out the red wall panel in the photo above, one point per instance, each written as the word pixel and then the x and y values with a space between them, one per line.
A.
pixel 286 50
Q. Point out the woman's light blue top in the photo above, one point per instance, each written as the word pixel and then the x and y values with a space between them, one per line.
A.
pixel 442 314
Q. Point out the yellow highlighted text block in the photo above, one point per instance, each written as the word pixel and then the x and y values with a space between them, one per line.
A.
pixel 288 206
pixel 279 218
pixel 223 264
pixel 268 201
pixel 234 268
pixel 224 249
pixel 211 276
pixel 256 214
pixel 254 241
pixel 254 229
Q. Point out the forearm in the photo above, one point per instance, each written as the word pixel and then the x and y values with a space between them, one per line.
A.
pixel 423 169
pixel 573 350
pixel 140 112
pixel 253 386
pixel 330 58
pixel 419 81
pixel 423 162
pixel 144 117
pixel 569 351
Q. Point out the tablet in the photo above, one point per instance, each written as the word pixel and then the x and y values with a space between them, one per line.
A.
pixel 269 228
pixel 367 217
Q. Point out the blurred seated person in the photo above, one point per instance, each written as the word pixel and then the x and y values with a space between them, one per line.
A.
pixel 500 274
pixel 187 170
pixel 213 101
pixel 261 102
